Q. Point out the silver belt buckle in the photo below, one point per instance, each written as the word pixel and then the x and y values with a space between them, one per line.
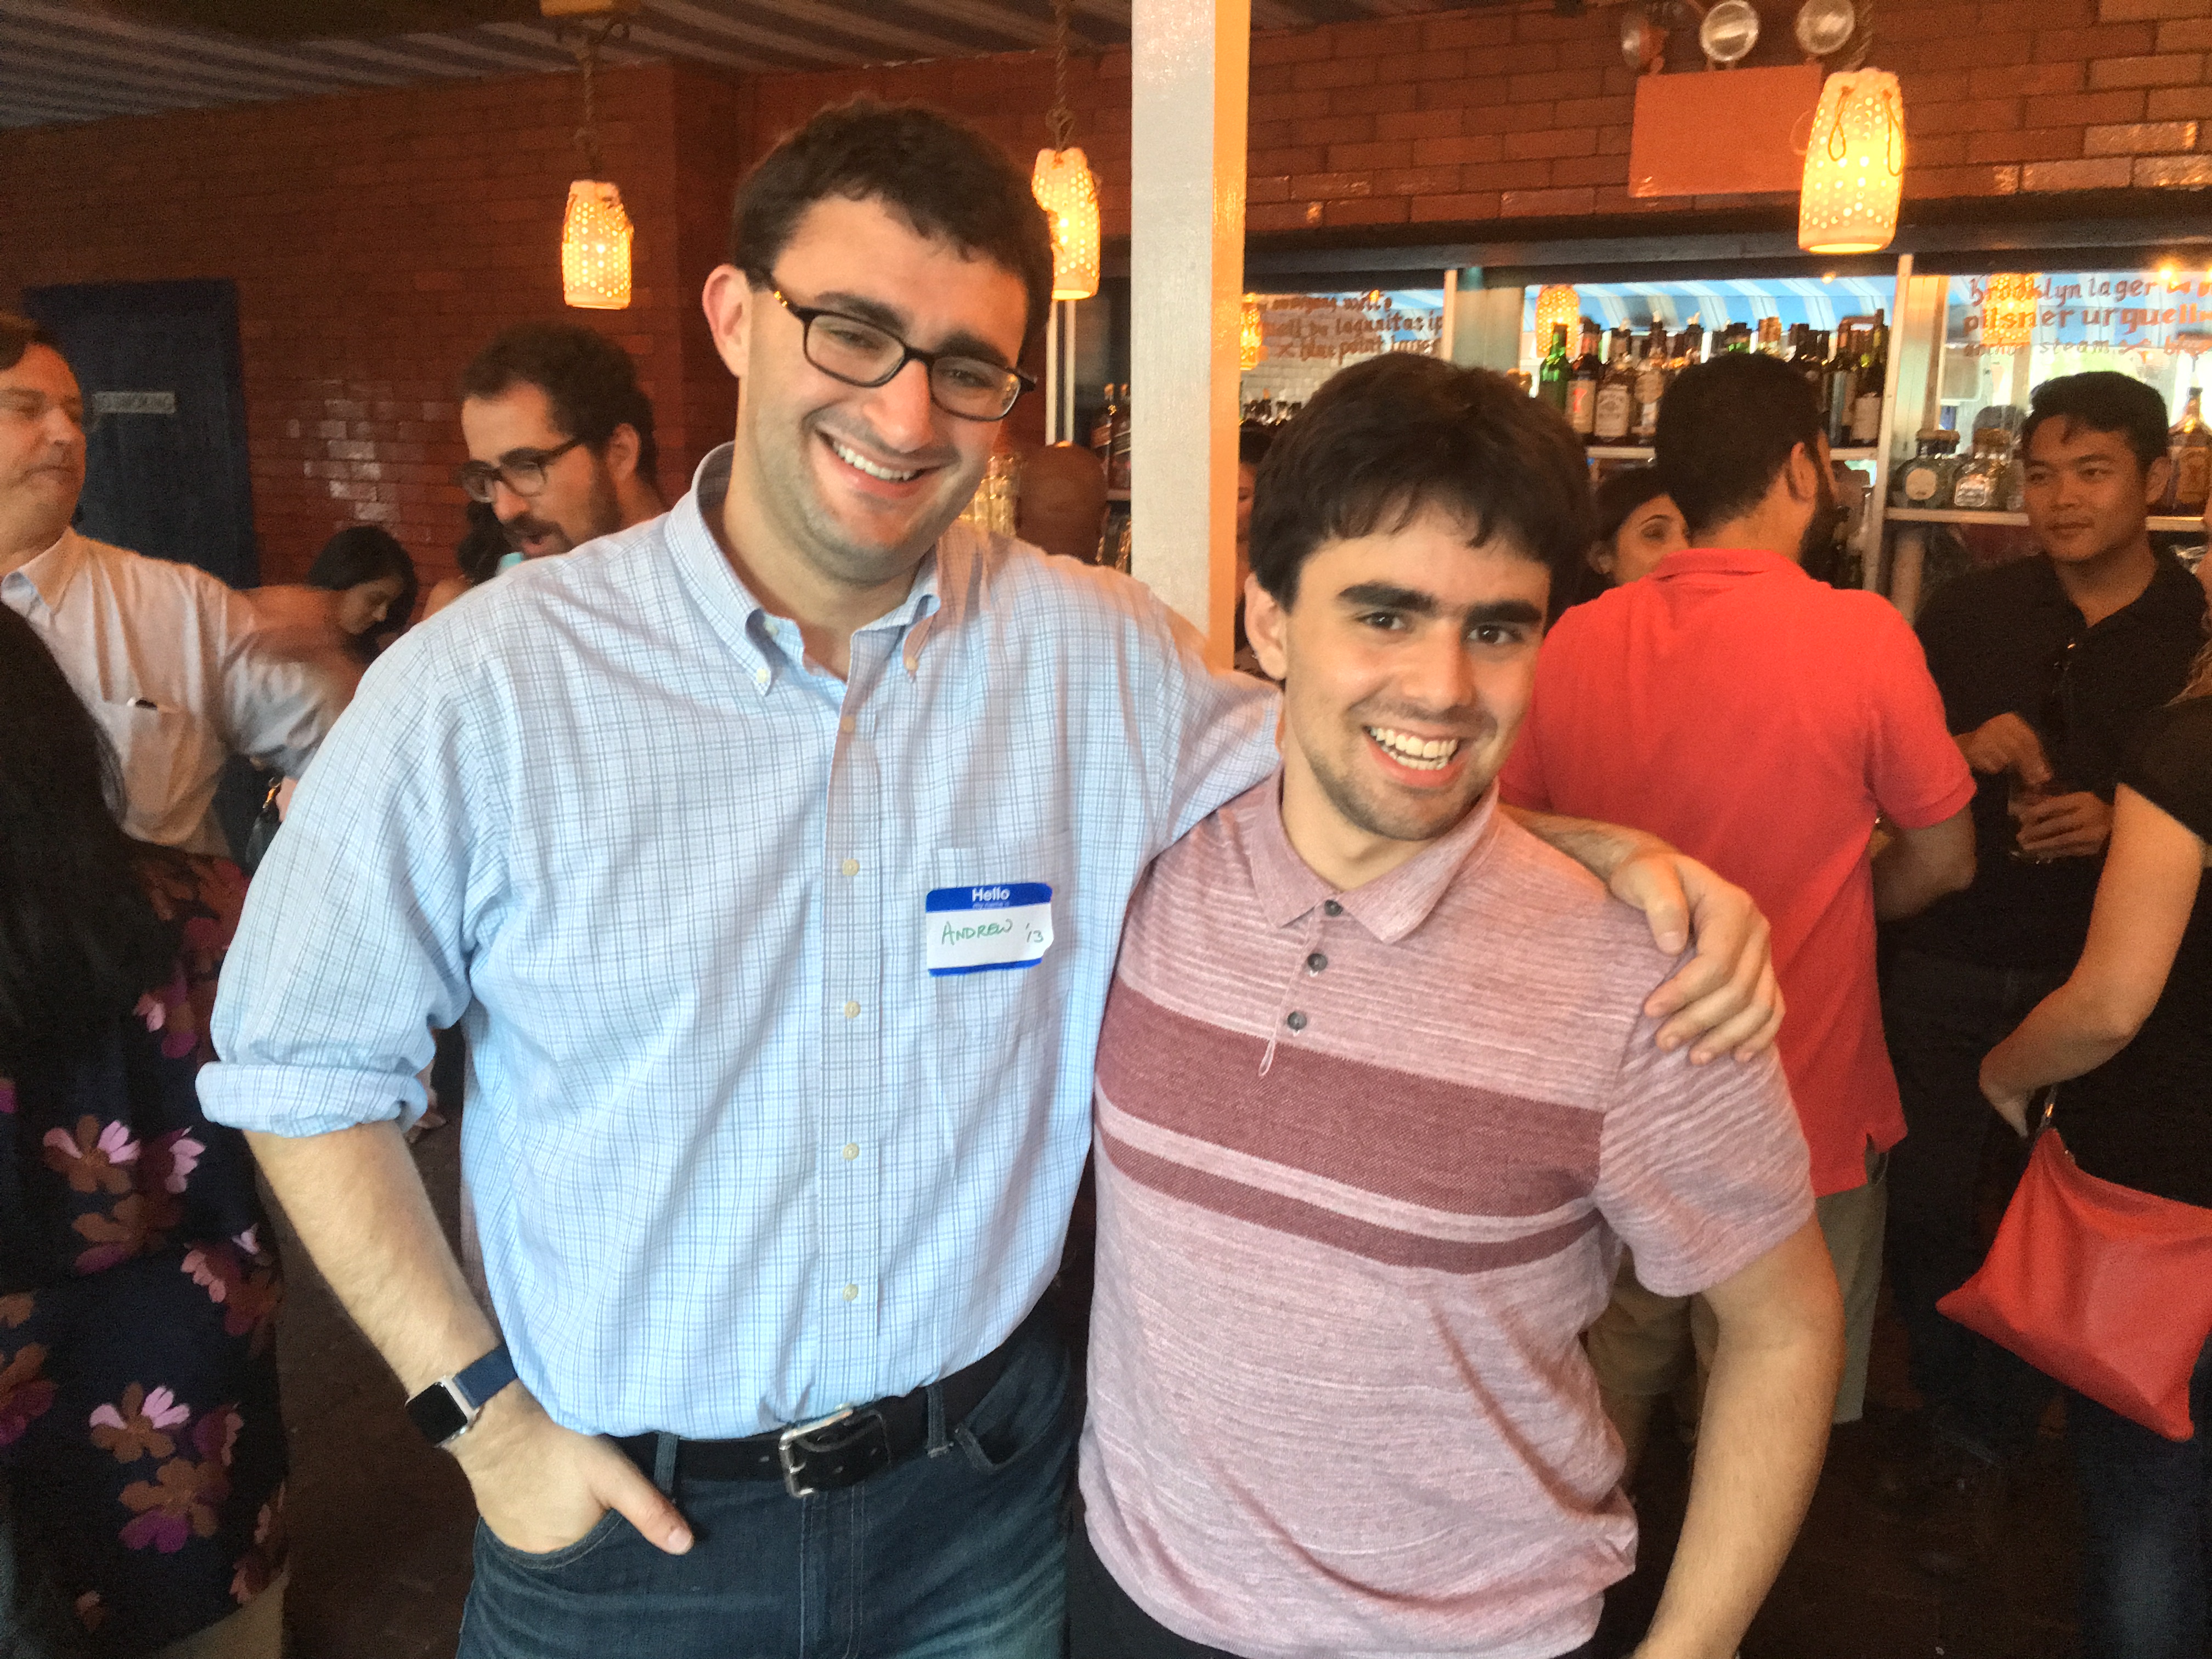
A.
pixel 790 1438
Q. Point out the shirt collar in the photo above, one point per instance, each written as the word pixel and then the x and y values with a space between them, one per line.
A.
pixel 747 627
pixel 52 571
pixel 1389 906
pixel 1725 562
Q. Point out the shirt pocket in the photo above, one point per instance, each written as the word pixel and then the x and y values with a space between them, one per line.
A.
pixel 155 747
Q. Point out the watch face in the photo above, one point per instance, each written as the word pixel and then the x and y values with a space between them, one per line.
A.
pixel 437 1414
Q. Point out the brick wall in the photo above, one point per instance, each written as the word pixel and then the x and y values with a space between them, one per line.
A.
pixel 378 239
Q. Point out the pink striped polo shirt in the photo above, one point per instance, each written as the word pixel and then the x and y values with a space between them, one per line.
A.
pixel 1365 1161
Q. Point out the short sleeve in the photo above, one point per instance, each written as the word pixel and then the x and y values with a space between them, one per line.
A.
pixel 1703 1169
pixel 2170 762
pixel 1914 769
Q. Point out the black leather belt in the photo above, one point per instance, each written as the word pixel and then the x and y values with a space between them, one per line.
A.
pixel 841 1450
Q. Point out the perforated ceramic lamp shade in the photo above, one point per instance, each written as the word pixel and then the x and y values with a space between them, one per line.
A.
pixel 2009 307
pixel 1064 188
pixel 1854 165
pixel 1252 337
pixel 1556 303
pixel 595 248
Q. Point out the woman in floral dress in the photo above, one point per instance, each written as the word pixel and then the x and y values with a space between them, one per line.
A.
pixel 139 1432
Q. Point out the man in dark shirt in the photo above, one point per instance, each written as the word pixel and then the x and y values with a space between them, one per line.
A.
pixel 2046 666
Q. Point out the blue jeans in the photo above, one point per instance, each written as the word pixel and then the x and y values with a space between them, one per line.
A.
pixel 1941 1017
pixel 956 1554
pixel 2147 1526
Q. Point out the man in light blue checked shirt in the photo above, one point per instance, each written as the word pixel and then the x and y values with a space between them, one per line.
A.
pixel 774 854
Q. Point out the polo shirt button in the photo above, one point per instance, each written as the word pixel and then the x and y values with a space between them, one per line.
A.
pixel 1296 1022
pixel 851 1010
pixel 1316 962
pixel 1331 907
pixel 852 1152
pixel 852 1292
pixel 851 866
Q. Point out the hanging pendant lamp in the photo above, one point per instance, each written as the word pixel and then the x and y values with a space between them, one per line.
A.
pixel 595 233
pixel 1064 186
pixel 1854 165
pixel 1252 341
pixel 1556 302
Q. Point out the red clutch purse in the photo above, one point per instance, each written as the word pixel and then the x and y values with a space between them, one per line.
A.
pixel 2107 1289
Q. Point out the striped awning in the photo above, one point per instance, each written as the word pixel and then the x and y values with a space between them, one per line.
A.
pixel 77 60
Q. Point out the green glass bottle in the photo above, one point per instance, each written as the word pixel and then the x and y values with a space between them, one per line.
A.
pixel 1551 379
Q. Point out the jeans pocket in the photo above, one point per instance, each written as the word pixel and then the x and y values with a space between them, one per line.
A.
pixel 550 1561
pixel 1020 1409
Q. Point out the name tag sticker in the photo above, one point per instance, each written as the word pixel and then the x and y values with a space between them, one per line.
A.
pixel 972 929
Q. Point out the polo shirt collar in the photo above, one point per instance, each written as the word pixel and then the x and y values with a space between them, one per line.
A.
pixel 1389 906
pixel 764 642
pixel 1725 561
pixel 52 571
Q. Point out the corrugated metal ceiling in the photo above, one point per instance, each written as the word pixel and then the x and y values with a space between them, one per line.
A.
pixel 71 60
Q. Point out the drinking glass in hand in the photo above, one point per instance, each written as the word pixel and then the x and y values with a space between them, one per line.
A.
pixel 2019 799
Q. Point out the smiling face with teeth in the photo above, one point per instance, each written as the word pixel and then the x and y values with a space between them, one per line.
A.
pixel 1406 659
pixel 838 492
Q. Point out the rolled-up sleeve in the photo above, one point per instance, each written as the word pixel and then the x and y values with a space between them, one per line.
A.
pixel 355 937
pixel 276 711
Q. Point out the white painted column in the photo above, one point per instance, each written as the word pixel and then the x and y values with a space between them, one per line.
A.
pixel 1191 63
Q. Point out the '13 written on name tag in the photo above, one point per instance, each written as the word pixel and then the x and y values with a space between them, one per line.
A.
pixel 973 929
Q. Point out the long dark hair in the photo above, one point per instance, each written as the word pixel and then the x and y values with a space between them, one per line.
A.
pixel 79 938
pixel 366 553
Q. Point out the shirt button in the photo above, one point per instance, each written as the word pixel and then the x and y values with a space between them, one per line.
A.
pixel 1296 1022
pixel 848 725
pixel 1331 907
pixel 852 1292
pixel 760 676
pixel 1316 962
pixel 851 1151
pixel 851 1010
pixel 851 866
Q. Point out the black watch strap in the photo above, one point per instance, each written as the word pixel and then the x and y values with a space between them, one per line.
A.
pixel 448 1407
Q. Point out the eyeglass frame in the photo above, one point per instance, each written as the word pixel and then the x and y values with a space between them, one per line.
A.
pixel 907 353
pixel 494 473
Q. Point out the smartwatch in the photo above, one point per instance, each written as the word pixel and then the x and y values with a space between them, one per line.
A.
pixel 449 1407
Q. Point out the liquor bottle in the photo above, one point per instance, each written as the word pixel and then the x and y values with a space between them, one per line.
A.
pixel 1867 389
pixel 1769 336
pixel 1615 414
pixel 1102 429
pixel 1839 375
pixel 1693 345
pixel 2190 451
pixel 1650 385
pixel 1811 359
pixel 1552 376
pixel 1980 485
pixel 1117 457
pixel 1924 482
pixel 1581 389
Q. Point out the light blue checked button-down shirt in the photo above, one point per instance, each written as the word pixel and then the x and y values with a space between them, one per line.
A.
pixel 738 1157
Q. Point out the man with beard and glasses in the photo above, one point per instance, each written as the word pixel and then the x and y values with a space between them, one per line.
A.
pixel 1764 720
pixel 1377 1105
pixel 773 855
pixel 560 443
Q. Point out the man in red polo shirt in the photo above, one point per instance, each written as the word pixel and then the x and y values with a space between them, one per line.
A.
pixel 1760 721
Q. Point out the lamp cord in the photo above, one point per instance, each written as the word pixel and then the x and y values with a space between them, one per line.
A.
pixel 584 44
pixel 1060 120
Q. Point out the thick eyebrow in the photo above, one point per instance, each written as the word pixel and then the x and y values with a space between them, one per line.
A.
pixel 1411 601
pixel 960 344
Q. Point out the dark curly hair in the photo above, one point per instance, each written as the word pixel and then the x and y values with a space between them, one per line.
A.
pixel 589 381
pixel 1397 435
pixel 941 176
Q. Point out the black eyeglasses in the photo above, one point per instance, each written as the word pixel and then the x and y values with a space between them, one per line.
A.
pixel 522 471
pixel 863 354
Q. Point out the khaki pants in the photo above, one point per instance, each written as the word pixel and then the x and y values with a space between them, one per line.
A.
pixel 256 1631
pixel 1645 1344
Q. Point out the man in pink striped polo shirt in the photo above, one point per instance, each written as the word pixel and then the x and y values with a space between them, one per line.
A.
pixel 1377 1106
